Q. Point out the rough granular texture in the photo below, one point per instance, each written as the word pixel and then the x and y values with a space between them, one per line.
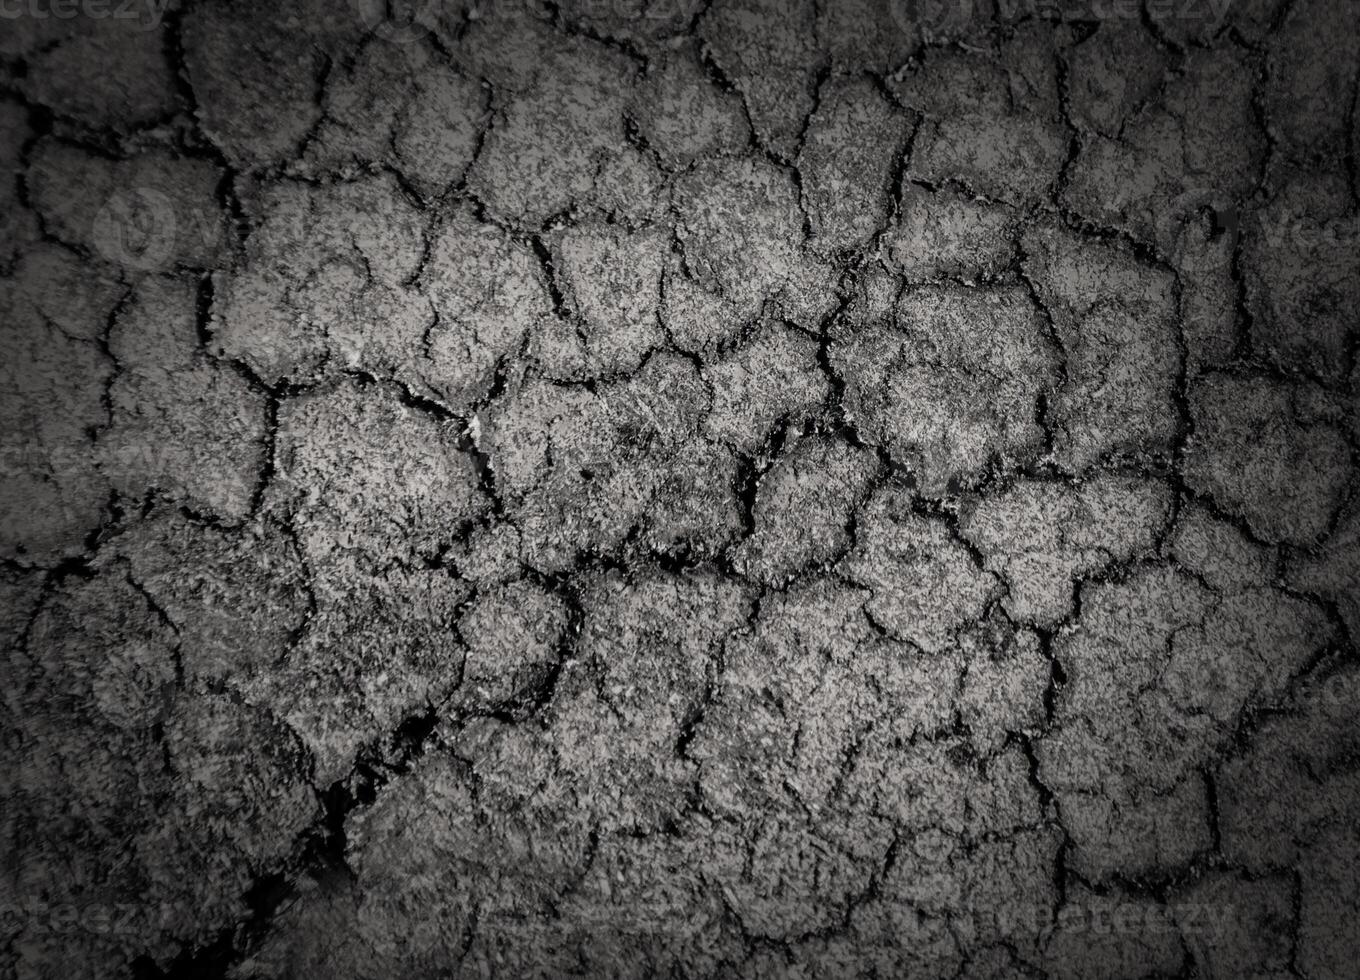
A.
pixel 680 488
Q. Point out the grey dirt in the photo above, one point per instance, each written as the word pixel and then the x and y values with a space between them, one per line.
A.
pixel 630 488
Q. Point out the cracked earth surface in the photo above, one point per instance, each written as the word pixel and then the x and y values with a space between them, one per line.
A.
pixel 639 489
